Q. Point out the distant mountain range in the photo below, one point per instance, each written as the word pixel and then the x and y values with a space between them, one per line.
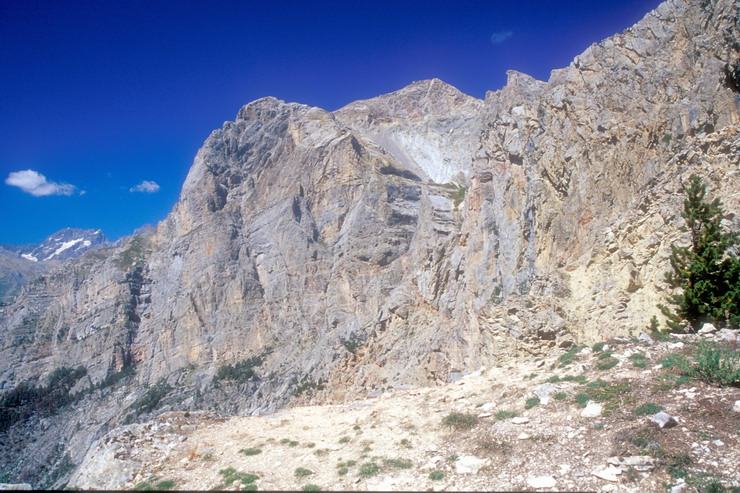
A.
pixel 19 264
pixel 65 243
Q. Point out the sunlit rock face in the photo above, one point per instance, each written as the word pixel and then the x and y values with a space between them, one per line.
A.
pixel 401 240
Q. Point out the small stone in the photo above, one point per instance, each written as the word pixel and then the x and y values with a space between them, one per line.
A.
pixel 680 488
pixel 736 407
pixel 542 482
pixel 469 464
pixel 520 420
pixel 543 392
pixel 707 329
pixel 592 410
pixel 718 443
pixel 728 335
pixel 664 420
pixel 485 415
pixel 608 473
pixel 646 339
pixel 523 436
pixel 488 406
pixel 432 448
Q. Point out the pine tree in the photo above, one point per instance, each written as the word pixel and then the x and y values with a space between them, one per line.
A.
pixel 708 270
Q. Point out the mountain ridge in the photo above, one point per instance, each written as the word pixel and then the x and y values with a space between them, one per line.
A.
pixel 351 254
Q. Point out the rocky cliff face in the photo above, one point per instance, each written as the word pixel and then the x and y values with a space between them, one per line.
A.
pixel 404 239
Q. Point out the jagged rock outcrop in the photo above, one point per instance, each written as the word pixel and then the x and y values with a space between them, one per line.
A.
pixel 404 239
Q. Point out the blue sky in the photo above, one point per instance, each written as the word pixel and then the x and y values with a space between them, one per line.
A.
pixel 104 104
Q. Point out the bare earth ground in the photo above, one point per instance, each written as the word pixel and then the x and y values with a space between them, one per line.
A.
pixel 548 446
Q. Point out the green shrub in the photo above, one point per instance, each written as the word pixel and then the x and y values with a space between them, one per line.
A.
pixel 570 378
pixel 311 487
pixel 436 475
pixel 460 421
pixel 607 364
pixel 639 360
pixel 716 363
pixel 560 396
pixel 241 371
pixel 647 409
pixel 302 472
pixel 231 476
pixel 569 357
pixel 598 347
pixel 505 414
pixel 369 469
pixel 250 451
pixel 155 484
pixel 601 391
pixel 398 463
pixel 678 466
pixel 151 398
pixel 582 399
pixel 344 440
pixel 675 360
pixel 531 402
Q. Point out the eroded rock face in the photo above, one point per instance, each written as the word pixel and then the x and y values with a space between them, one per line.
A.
pixel 408 238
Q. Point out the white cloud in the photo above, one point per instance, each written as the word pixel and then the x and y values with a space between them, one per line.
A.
pixel 145 186
pixel 35 183
pixel 499 37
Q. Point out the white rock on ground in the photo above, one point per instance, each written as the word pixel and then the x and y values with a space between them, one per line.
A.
pixel 592 410
pixel 664 420
pixel 608 473
pixel 469 464
pixel 542 482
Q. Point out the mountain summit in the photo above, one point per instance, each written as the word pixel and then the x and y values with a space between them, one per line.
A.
pixel 64 244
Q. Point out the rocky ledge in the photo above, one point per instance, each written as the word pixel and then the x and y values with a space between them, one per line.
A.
pixel 628 414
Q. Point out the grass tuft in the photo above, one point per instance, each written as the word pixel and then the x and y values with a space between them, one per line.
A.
pixel 505 414
pixel 436 475
pixel 250 451
pixel 647 409
pixel 716 363
pixel 531 402
pixel 301 472
pixel 460 421
pixel 369 469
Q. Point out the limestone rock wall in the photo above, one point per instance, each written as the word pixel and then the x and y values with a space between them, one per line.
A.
pixel 406 239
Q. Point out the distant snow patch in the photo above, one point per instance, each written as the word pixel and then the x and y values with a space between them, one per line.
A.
pixel 30 257
pixel 64 246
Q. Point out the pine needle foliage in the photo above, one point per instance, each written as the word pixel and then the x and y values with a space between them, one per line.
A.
pixel 707 271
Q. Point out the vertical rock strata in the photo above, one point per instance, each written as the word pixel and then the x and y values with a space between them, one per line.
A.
pixel 407 238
